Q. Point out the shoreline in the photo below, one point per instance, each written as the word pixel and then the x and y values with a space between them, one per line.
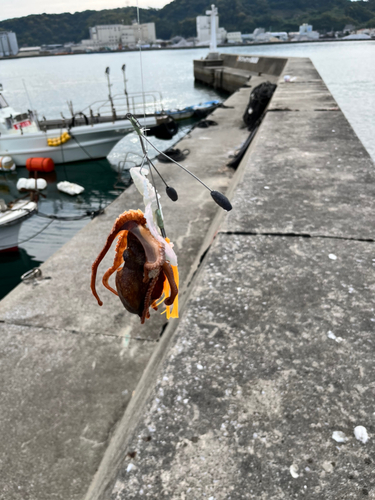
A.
pixel 206 47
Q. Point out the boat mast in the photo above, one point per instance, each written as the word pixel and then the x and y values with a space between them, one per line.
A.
pixel 110 94
pixel 33 111
pixel 126 92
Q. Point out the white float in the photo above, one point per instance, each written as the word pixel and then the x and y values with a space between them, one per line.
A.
pixel 24 184
pixel 7 164
pixel 70 188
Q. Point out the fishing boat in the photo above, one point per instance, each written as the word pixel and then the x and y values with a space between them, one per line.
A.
pixel 88 134
pixel 11 219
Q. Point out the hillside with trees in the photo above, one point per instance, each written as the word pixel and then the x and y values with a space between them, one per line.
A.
pixel 179 18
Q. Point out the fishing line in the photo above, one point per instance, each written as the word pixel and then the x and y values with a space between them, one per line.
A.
pixel 88 214
pixel 143 162
pixel 141 65
pixel 181 166
pixel 159 216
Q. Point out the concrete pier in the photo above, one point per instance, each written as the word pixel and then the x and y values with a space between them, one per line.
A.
pixel 230 71
pixel 273 352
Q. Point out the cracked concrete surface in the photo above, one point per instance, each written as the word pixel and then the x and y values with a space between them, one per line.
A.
pixel 255 382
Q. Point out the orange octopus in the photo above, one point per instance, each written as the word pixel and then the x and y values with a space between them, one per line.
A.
pixel 145 275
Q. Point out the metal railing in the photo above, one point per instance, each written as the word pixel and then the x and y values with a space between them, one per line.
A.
pixel 136 103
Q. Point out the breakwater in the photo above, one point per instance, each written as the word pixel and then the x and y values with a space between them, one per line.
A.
pixel 230 72
pixel 272 345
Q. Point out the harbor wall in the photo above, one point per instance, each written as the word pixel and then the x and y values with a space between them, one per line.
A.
pixel 273 350
pixel 231 71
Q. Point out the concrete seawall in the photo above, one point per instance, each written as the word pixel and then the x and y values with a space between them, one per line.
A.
pixel 273 352
pixel 230 71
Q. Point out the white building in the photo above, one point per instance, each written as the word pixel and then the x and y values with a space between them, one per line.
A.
pixel 8 44
pixel 29 51
pixel 204 30
pixel 262 36
pixel 113 35
pixel 234 37
pixel 306 33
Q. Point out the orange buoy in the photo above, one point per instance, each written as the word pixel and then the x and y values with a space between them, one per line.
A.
pixel 40 164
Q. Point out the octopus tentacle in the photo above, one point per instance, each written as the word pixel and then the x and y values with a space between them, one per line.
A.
pixel 167 268
pixel 126 221
pixel 146 313
pixel 118 260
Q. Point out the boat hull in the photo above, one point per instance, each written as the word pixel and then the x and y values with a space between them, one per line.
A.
pixel 10 224
pixel 9 237
pixel 88 142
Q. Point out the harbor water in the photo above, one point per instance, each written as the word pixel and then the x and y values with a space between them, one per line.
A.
pixel 347 69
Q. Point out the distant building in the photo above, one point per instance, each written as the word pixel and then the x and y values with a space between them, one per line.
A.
pixel 366 31
pixel 29 51
pixel 349 28
pixel 306 33
pixel 247 37
pixel 234 37
pixel 204 30
pixel 260 35
pixel 357 36
pixel 8 44
pixel 113 35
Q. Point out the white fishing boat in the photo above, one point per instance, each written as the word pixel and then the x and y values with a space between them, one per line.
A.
pixel 11 219
pixel 86 135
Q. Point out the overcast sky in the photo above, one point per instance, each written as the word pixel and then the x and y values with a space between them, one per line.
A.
pixel 20 8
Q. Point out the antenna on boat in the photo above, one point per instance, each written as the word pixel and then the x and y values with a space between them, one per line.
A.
pixel 109 93
pixel 33 111
pixel 70 106
pixel 27 94
pixel 126 92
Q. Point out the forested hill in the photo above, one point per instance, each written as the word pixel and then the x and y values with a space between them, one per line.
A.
pixel 178 18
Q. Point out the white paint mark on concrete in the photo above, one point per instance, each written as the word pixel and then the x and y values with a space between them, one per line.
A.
pixel 332 256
